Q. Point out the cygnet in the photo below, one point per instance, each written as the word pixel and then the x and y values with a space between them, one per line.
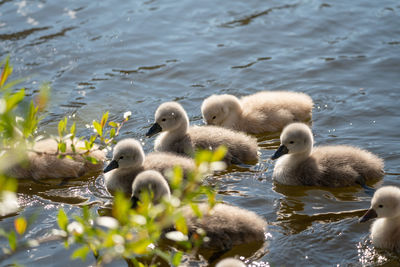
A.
pixel 300 163
pixel 258 113
pixel 129 160
pixel 171 119
pixel 385 230
pixel 225 226
pixel 42 162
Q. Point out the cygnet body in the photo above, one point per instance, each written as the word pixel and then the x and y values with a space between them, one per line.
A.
pixel 171 119
pixel 225 225
pixel 43 162
pixel 300 163
pixel 129 160
pixel 385 230
pixel 258 113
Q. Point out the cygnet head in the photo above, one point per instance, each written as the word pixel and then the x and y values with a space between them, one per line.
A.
pixel 384 204
pixel 221 110
pixel 296 138
pixel 151 181
pixel 169 116
pixel 127 154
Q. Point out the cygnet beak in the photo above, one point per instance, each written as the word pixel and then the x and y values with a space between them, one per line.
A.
pixel 370 214
pixel 155 129
pixel 134 201
pixel 282 150
pixel 113 165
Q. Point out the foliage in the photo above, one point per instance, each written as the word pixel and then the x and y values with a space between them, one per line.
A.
pixel 19 119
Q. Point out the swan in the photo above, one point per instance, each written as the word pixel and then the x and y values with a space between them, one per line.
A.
pixel 225 225
pixel 129 159
pixel 43 162
pixel 171 119
pixel 258 113
pixel 385 206
pixel 300 163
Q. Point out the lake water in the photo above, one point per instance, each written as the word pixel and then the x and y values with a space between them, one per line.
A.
pixel 134 55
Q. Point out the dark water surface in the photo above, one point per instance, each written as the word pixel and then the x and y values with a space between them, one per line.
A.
pixel 134 55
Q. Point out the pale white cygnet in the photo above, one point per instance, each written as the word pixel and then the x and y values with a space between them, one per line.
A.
pixel 262 112
pixel 230 262
pixel 225 226
pixel 171 119
pixel 129 160
pixel 300 163
pixel 385 230
pixel 43 162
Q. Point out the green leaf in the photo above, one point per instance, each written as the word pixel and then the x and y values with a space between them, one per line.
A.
pixel 196 209
pixel 81 253
pixel 62 126
pixel 98 128
pixel 181 226
pixel 15 99
pixel 112 132
pixel 12 240
pixel 91 160
pixel 219 154
pixel 20 225
pixel 62 147
pixel 7 70
pixel 176 259
pixel 62 220
pixel 113 124
pixel 176 179
pixel 73 129
pixel 104 119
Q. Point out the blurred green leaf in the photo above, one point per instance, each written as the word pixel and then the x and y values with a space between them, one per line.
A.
pixel 181 226
pixel 98 128
pixel 12 240
pixel 176 259
pixel 113 124
pixel 219 153
pixel 104 120
pixel 7 70
pixel 81 253
pixel 15 99
pixel 62 220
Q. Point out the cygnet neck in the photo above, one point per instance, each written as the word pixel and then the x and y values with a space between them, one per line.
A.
pixel 234 113
pixel 181 129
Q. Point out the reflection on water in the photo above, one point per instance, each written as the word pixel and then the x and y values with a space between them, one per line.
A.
pixel 124 55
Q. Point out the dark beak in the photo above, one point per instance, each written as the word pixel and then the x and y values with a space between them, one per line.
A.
pixel 282 150
pixel 113 165
pixel 370 214
pixel 134 201
pixel 155 129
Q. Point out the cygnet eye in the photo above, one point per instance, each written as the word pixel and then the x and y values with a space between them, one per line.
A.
pixel 163 119
pixel 121 157
pixel 291 142
pixel 214 117
pixel 380 206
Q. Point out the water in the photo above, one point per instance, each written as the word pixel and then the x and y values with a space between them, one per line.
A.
pixel 134 55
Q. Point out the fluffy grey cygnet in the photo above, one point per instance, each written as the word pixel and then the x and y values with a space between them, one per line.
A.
pixel 171 119
pixel 385 230
pixel 300 163
pixel 262 112
pixel 43 163
pixel 225 226
pixel 129 160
